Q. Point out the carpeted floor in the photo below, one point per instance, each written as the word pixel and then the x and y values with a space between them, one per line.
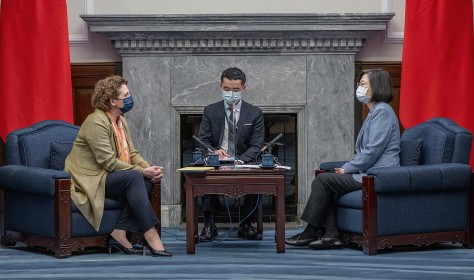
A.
pixel 235 258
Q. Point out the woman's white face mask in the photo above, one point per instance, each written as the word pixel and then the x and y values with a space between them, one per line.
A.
pixel 361 94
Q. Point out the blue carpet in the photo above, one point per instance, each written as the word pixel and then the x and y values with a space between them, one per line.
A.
pixel 235 258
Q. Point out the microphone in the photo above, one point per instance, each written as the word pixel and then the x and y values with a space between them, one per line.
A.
pixel 269 144
pixel 202 143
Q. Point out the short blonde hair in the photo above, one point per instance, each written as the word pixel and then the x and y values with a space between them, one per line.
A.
pixel 105 90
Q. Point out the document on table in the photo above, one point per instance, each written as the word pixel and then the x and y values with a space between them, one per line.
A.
pixel 195 169
pixel 259 166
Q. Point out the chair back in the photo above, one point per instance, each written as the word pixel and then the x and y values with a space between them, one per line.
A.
pixel 441 140
pixel 41 144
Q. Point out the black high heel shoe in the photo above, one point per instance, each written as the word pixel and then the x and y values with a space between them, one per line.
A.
pixel 155 253
pixel 112 243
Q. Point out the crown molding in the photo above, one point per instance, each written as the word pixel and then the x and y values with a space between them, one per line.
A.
pixel 84 36
pixel 391 36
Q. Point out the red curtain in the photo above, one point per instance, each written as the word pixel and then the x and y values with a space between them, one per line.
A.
pixel 35 66
pixel 438 63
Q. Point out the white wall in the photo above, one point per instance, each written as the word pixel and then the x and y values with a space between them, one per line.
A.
pixel 90 47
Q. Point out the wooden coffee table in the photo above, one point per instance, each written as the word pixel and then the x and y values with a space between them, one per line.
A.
pixel 235 183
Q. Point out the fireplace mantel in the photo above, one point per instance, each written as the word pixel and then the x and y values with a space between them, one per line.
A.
pixel 236 33
pixel 302 64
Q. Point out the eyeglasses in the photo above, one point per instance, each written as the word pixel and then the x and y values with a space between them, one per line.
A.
pixel 122 98
pixel 362 85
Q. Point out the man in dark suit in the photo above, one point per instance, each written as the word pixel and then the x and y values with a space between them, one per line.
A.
pixel 241 142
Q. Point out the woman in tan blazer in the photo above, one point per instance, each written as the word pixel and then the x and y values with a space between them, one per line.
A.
pixel 103 163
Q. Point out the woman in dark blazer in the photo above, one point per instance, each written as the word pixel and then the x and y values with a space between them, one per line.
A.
pixel 377 145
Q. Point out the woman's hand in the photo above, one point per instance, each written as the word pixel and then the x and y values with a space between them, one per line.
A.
pixel 154 173
pixel 339 170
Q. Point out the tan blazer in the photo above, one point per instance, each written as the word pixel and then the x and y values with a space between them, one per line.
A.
pixel 94 153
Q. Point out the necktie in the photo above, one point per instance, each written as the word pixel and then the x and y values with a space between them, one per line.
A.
pixel 230 140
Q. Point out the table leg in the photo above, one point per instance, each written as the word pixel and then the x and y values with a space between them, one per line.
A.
pixel 280 218
pixel 196 232
pixel 190 228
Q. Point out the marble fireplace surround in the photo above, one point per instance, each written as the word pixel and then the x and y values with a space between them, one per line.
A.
pixel 295 63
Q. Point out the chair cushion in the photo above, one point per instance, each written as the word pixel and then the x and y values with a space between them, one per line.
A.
pixel 59 152
pixel 351 200
pixel 410 151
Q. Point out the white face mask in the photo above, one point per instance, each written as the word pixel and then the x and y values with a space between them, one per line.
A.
pixel 361 94
pixel 231 97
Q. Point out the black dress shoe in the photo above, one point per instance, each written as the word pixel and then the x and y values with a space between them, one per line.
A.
pixel 114 244
pixel 155 253
pixel 326 243
pixel 298 240
pixel 248 232
pixel 208 233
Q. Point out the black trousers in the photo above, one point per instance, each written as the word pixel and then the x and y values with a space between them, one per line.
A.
pixel 320 210
pixel 210 201
pixel 132 188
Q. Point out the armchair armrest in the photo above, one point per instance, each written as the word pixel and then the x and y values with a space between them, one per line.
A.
pixel 155 200
pixel 329 166
pixel 421 178
pixel 30 179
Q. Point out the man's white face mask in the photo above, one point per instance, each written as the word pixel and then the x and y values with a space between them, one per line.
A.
pixel 231 97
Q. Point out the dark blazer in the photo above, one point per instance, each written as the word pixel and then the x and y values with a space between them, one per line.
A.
pixel 250 133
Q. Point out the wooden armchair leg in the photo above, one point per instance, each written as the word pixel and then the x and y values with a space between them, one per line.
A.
pixel 470 241
pixel 155 200
pixel 260 215
pixel 369 250
pixel 3 233
pixel 369 213
pixel 63 247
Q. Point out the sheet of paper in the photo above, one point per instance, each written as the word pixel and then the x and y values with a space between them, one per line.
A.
pixel 195 169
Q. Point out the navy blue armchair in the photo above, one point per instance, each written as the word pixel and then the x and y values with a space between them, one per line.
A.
pixel 428 199
pixel 38 209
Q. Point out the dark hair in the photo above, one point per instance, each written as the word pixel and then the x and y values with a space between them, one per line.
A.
pixel 105 90
pixel 380 84
pixel 233 74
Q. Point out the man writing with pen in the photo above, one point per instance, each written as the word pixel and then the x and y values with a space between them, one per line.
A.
pixel 235 129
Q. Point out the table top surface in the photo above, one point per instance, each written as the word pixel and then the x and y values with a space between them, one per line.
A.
pixel 229 170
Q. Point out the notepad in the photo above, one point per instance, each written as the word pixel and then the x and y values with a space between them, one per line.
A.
pixel 195 169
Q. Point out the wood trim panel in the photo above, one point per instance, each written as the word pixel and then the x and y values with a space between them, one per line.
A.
pixel 395 71
pixel 84 77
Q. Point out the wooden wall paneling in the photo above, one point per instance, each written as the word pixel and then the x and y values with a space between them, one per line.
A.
pixel 395 71
pixel 84 78
pixel 82 104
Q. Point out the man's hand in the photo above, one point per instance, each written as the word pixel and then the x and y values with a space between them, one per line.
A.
pixel 222 154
